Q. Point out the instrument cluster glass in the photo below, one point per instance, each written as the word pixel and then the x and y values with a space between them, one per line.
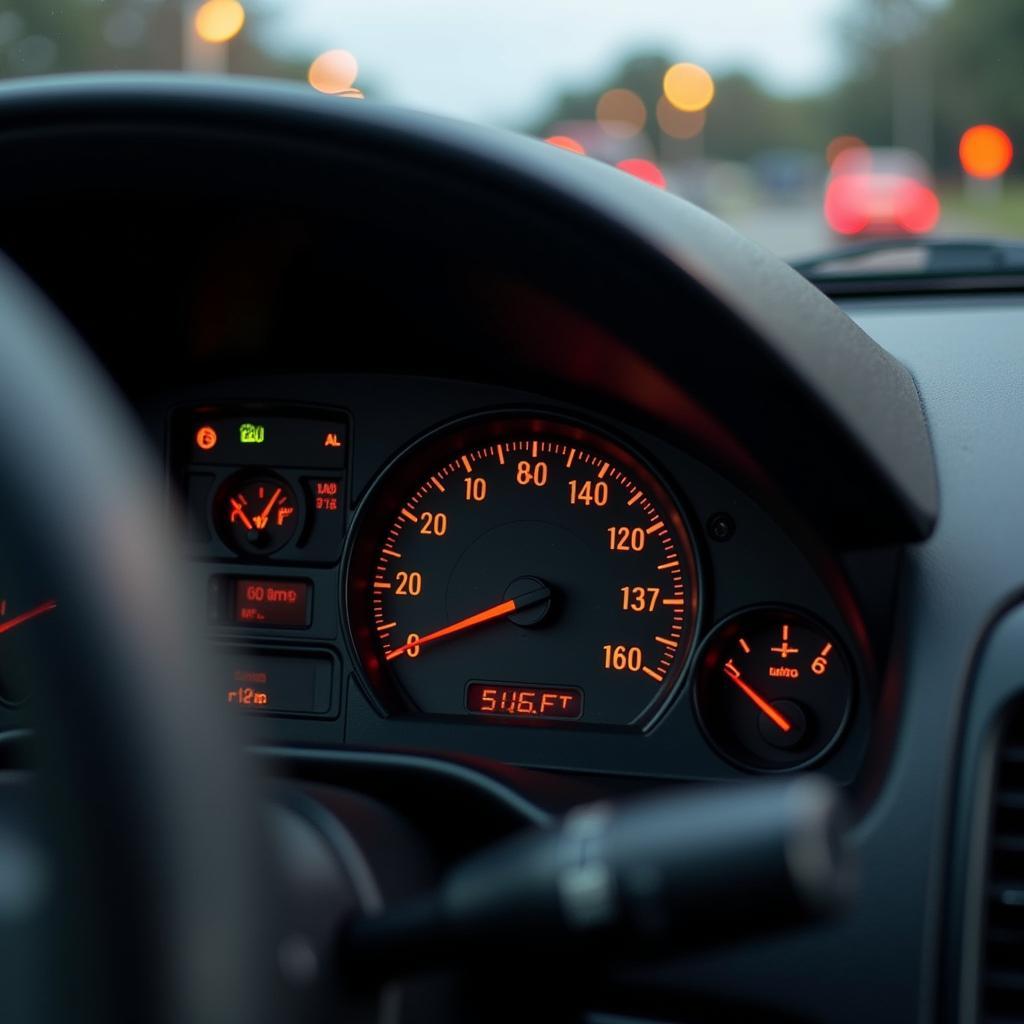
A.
pixel 527 570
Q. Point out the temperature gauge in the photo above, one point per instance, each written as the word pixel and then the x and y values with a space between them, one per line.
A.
pixel 258 515
pixel 774 689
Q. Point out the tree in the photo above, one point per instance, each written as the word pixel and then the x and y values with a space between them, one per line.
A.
pixel 920 76
pixel 980 73
pixel 743 118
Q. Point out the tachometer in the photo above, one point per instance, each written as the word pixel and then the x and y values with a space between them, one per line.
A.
pixel 523 569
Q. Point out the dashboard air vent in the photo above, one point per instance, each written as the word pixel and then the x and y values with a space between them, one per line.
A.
pixel 1002 962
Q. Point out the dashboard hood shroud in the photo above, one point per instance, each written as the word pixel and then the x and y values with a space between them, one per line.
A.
pixel 755 352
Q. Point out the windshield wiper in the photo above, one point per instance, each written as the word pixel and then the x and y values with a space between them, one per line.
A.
pixel 918 265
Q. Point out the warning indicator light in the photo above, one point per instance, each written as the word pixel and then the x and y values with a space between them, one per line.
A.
pixel 206 438
pixel 251 433
pixel 331 441
pixel 327 492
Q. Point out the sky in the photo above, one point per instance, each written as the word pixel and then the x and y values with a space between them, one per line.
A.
pixel 501 62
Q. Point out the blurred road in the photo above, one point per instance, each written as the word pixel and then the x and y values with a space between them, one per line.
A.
pixel 790 231
pixel 798 230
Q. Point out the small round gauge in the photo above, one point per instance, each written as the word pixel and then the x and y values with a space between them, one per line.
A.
pixel 521 569
pixel 257 515
pixel 773 690
pixel 26 625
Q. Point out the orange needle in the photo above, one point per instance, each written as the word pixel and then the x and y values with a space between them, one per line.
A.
pixel 261 519
pixel 527 600
pixel 781 721
pixel 46 606
pixel 505 608
pixel 245 518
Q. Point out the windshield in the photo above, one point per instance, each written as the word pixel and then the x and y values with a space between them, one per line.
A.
pixel 809 125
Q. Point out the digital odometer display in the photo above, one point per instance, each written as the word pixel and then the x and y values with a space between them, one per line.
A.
pixel 523 701
pixel 528 551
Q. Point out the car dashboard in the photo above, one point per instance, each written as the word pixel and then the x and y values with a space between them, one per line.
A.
pixel 643 608
pixel 525 503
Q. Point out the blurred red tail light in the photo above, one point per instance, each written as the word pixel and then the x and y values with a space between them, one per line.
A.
pixel 858 203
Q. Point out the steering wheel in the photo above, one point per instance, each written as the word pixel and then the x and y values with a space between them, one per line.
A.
pixel 133 882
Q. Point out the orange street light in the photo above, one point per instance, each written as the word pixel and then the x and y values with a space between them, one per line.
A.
pixel 621 113
pixel 679 124
pixel 688 87
pixel 219 21
pixel 840 145
pixel 334 72
pixel 985 151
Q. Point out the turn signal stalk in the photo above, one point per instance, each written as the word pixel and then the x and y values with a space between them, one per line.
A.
pixel 681 870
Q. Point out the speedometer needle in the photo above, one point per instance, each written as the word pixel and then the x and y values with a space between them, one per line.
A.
pixel 497 611
pixel 32 613
pixel 780 720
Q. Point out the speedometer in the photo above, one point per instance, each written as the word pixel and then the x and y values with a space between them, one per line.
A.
pixel 523 569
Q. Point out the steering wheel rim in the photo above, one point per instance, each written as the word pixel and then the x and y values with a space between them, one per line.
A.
pixel 156 905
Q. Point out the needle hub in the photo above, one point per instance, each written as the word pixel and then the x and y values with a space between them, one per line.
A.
pixel 533 600
pixel 794 715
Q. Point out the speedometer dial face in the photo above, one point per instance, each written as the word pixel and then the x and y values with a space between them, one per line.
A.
pixel 523 570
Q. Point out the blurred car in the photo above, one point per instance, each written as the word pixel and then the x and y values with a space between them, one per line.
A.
pixel 880 192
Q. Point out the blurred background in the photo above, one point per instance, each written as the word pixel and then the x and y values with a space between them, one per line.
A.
pixel 809 125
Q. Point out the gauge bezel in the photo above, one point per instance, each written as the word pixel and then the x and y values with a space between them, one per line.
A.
pixel 243 477
pixel 403 471
pixel 843 650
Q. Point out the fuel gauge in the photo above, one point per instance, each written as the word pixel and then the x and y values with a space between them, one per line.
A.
pixel 258 515
pixel 774 689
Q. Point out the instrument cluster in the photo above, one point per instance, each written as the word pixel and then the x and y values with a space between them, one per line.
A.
pixel 476 573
